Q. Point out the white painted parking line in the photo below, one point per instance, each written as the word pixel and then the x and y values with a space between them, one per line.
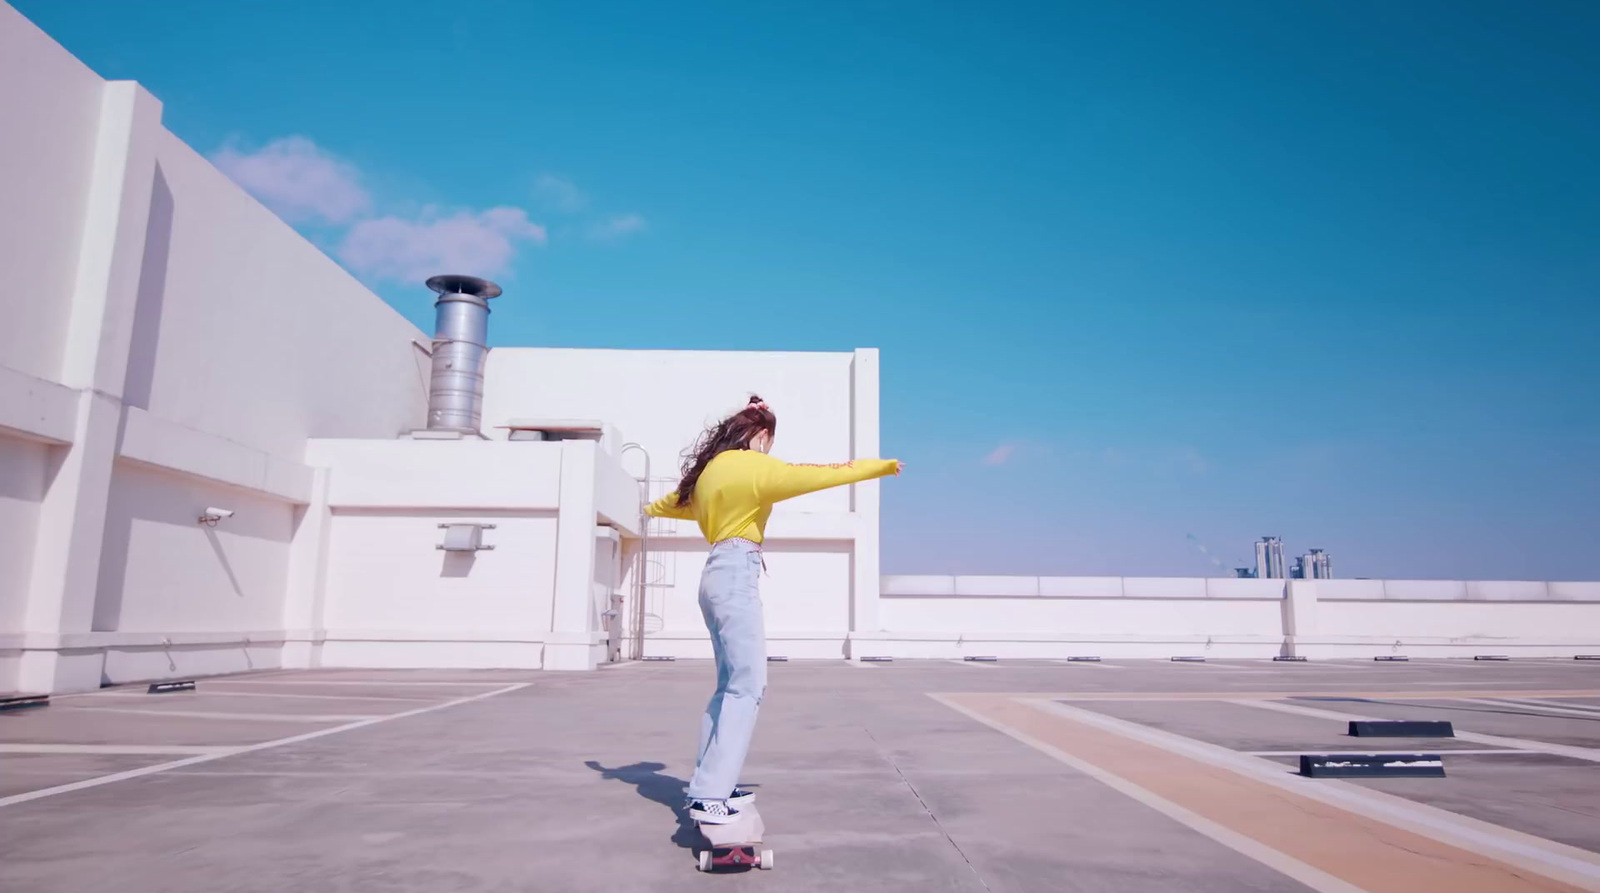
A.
pixel 1549 710
pixel 1564 750
pixel 382 682
pixel 1213 665
pixel 1098 665
pixel 244 717
pixel 116 749
pixel 1531 702
pixel 1472 683
pixel 219 692
pixel 280 742
pixel 988 665
pixel 860 664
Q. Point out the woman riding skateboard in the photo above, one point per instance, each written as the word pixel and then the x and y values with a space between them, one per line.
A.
pixel 729 486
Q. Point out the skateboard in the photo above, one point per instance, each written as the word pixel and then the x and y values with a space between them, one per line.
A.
pixel 736 844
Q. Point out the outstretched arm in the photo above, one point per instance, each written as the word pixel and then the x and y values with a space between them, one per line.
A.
pixel 667 507
pixel 779 480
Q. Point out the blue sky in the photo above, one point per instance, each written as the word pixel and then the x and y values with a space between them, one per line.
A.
pixel 1324 270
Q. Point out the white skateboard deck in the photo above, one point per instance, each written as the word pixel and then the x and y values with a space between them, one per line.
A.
pixel 747 829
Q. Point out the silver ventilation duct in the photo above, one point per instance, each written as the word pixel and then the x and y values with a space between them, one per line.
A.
pixel 460 347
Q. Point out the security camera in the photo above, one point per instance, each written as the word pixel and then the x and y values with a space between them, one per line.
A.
pixel 220 513
pixel 212 515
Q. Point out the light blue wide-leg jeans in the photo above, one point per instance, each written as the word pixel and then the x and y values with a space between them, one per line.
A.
pixel 730 600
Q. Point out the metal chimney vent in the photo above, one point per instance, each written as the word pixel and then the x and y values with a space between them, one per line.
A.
pixel 460 346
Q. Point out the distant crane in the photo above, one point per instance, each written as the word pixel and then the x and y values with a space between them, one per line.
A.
pixel 1195 541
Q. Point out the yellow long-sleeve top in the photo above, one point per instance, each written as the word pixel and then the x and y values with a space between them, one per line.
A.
pixel 737 489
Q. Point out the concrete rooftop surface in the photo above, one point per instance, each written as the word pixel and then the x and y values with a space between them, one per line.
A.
pixel 909 776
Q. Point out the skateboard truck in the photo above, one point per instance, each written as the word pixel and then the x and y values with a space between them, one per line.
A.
pixel 734 857
pixel 736 845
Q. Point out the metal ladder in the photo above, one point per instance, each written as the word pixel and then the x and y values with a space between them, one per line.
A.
pixel 641 560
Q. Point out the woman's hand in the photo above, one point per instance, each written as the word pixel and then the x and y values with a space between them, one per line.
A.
pixel 898 467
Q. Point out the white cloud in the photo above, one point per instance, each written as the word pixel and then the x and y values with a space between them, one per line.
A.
pixel 477 243
pixel 617 226
pixel 560 193
pixel 305 184
pixel 298 180
pixel 1000 455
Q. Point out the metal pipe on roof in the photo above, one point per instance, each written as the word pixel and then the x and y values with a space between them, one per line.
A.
pixel 460 350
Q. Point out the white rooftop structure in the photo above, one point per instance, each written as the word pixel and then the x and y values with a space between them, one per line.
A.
pixel 215 455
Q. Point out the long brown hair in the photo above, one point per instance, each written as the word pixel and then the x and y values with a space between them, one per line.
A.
pixel 732 433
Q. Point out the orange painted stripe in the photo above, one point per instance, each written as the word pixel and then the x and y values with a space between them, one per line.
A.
pixel 1410 695
pixel 1359 850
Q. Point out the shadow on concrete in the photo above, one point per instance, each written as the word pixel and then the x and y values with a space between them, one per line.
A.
pixel 667 790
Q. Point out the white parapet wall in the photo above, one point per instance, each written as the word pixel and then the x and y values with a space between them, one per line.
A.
pixel 1448 618
pixel 1057 617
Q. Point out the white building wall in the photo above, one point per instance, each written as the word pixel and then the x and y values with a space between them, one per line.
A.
pixel 821 548
pixel 662 400
pixel 23 465
pixel 50 103
pixel 392 598
pixel 804 594
pixel 389 585
pixel 173 345
pixel 255 335
pixel 161 571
